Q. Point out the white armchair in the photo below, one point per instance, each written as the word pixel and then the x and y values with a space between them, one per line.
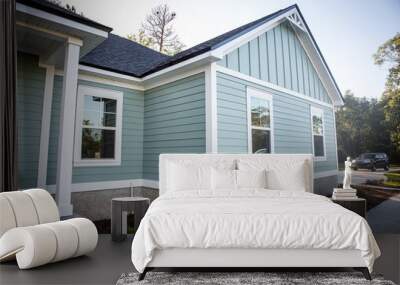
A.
pixel 31 230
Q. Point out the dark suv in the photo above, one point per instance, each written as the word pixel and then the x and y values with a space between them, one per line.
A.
pixel 371 161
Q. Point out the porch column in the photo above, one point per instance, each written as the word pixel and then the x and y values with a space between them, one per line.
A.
pixel 66 129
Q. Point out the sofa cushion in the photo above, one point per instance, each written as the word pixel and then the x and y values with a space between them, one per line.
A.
pixel 224 179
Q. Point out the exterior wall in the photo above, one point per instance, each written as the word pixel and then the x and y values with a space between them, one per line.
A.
pixel 30 88
pixel 132 139
pixel 174 121
pixel 277 56
pixel 291 117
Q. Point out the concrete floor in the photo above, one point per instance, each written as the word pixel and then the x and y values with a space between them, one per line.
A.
pixel 103 266
pixel 110 260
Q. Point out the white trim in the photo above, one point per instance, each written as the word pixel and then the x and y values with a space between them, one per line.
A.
pixel 111 82
pixel 270 85
pixel 66 130
pixel 172 77
pixel 211 109
pixel 206 57
pixel 258 93
pixel 338 101
pixel 335 135
pixel 68 38
pixel 232 45
pixel 107 73
pixel 325 173
pixel 60 20
pixel 108 185
pixel 318 112
pixel 103 93
pixel 45 126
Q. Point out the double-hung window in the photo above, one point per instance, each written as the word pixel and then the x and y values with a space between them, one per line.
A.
pixel 98 127
pixel 318 132
pixel 259 104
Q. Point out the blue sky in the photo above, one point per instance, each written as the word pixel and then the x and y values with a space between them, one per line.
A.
pixel 348 32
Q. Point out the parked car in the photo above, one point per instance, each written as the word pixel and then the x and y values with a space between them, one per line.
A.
pixel 371 161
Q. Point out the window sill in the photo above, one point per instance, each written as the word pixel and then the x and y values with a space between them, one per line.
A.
pixel 95 163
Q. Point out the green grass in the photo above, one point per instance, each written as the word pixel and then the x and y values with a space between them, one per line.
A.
pixel 392 184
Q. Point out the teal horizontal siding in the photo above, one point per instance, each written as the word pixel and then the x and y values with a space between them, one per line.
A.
pixel 29 106
pixel 277 56
pixel 291 117
pixel 131 146
pixel 174 121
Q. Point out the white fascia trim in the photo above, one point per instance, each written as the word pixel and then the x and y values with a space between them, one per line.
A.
pixel 270 85
pixel 173 78
pixel 108 81
pixel 326 78
pixel 211 108
pixel 45 128
pixel 208 56
pixel 110 74
pixel 66 37
pixel 232 45
pixel 108 185
pixel 325 173
pixel 60 20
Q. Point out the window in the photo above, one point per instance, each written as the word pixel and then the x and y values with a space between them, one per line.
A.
pixel 98 127
pixel 318 132
pixel 260 121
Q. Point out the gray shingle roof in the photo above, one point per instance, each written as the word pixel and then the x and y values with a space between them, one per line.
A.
pixel 127 57
pixel 123 56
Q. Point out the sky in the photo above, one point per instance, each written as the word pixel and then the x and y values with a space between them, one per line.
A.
pixel 348 32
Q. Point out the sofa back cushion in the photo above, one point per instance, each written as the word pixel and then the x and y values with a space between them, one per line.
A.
pixel 26 208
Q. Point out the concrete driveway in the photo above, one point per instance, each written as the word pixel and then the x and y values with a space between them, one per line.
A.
pixel 385 217
pixel 362 175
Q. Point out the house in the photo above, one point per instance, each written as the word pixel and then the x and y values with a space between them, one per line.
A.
pixel 95 110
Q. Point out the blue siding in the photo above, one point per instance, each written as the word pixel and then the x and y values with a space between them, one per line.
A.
pixel 132 139
pixel 174 121
pixel 29 99
pixel 291 115
pixel 277 56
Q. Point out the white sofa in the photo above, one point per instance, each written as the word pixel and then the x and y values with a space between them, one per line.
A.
pixel 31 230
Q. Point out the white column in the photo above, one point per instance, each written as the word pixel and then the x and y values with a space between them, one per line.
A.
pixel 211 109
pixel 45 130
pixel 66 129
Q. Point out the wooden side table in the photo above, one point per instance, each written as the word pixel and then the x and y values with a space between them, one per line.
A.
pixel 120 207
pixel 358 205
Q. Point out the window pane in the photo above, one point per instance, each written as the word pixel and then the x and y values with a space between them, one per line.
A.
pixel 318 146
pixel 91 118
pixel 97 143
pixel 261 141
pixel 260 115
pixel 109 105
pixel 92 103
pixel 109 120
pixel 317 125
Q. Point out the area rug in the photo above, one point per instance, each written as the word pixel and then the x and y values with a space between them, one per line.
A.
pixel 243 278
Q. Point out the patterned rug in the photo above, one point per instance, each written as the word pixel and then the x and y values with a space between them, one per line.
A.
pixel 243 278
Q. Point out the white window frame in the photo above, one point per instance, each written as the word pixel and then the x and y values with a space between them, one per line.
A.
pixel 258 93
pixel 102 93
pixel 318 112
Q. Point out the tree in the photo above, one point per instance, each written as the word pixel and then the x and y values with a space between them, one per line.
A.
pixel 389 53
pixel 157 31
pixel 67 6
pixel 361 127
pixel 142 39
